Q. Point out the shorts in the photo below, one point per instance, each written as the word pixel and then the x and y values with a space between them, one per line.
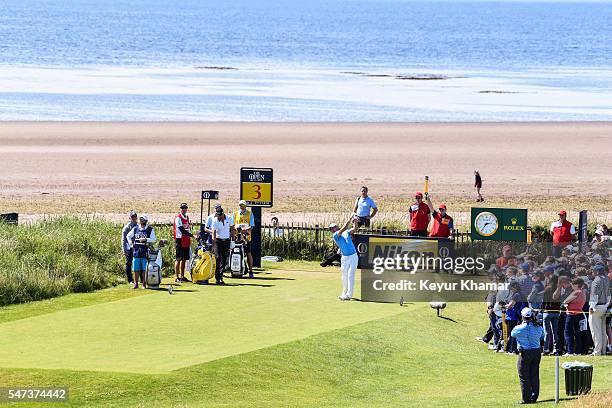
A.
pixel 363 222
pixel 139 264
pixel 182 253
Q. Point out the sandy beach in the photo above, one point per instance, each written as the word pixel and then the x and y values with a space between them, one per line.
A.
pixel 109 167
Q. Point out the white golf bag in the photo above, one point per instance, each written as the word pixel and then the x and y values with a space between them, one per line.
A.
pixel 154 266
pixel 238 266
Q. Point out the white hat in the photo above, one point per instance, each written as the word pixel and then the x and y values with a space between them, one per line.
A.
pixel 527 312
pixel 144 217
pixel 332 225
pixel 242 202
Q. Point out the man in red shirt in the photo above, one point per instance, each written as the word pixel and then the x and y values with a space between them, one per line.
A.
pixel 574 304
pixel 442 222
pixel 503 260
pixel 419 216
pixel 563 233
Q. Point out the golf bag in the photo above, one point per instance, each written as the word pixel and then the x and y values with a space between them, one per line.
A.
pixel 203 263
pixel 238 266
pixel 153 276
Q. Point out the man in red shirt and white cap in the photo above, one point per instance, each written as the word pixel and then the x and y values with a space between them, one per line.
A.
pixel 563 233
pixel 419 216
pixel 442 222
pixel 182 237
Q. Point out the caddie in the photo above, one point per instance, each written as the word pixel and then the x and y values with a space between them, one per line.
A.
pixel 244 218
pixel 139 238
pixel 182 239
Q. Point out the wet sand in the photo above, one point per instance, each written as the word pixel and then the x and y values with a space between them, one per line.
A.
pixel 106 167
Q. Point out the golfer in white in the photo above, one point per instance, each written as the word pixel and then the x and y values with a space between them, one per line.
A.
pixel 348 262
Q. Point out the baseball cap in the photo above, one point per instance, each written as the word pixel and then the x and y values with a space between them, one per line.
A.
pixel 184 206
pixel 562 212
pixel 242 202
pixel 332 225
pixel 526 312
pixel 132 213
pixel 442 206
pixel 144 217
pixel 549 269
pixel 217 205
pixel 418 195
pixel 525 266
pixel 599 268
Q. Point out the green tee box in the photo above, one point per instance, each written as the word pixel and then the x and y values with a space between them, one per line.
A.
pixel 499 224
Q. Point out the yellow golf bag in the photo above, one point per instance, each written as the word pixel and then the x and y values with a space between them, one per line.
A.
pixel 203 266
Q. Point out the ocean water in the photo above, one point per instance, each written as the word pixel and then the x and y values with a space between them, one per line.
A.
pixel 305 60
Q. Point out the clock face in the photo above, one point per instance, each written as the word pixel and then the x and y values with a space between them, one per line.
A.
pixel 486 223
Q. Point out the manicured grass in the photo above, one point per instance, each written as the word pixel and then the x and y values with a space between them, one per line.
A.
pixel 206 322
pixel 288 345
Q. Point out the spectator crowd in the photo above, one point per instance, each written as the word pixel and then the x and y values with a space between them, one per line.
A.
pixel 571 295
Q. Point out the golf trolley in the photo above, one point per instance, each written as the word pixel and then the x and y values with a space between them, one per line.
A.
pixel 153 276
pixel 238 259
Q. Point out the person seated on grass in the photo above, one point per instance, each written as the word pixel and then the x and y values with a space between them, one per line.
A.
pixel 139 238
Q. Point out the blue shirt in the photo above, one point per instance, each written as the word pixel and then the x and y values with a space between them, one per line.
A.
pixel 528 336
pixel 364 205
pixel 345 243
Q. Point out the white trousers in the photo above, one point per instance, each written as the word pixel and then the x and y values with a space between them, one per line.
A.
pixel 348 266
pixel 597 323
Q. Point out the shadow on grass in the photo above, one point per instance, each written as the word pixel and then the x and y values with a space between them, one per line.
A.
pixel 448 318
pixel 261 285
pixel 175 289
pixel 257 277
pixel 553 400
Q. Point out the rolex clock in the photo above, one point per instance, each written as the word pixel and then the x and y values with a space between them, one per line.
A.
pixel 486 224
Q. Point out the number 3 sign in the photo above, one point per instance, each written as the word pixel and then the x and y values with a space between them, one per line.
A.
pixel 256 186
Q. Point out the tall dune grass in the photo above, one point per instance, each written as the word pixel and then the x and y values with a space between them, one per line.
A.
pixel 58 256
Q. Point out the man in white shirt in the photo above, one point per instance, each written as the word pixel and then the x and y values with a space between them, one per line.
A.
pixel 222 234
pixel 208 224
